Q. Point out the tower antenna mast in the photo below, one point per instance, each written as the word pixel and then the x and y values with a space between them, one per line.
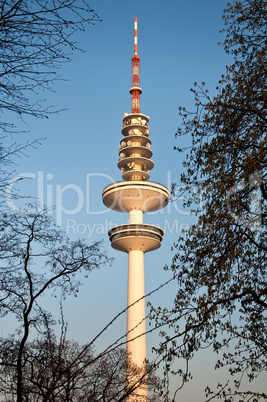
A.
pixel 135 90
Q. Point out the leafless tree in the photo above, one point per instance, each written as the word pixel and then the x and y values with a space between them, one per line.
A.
pixel 37 259
pixel 66 371
pixel 36 37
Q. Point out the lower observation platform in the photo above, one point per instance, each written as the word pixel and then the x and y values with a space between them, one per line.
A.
pixel 135 237
pixel 139 195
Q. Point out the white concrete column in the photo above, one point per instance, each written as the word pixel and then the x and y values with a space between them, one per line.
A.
pixel 136 325
pixel 136 216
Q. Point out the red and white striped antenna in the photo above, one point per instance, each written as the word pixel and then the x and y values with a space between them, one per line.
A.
pixel 135 36
pixel 135 90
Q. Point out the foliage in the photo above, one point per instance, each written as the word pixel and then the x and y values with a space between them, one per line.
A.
pixel 220 263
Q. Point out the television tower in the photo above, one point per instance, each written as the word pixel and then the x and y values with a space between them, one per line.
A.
pixel 135 195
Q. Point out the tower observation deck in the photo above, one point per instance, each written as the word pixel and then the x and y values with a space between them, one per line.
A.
pixel 136 196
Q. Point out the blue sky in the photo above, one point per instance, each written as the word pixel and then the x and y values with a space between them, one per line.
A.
pixel 178 45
